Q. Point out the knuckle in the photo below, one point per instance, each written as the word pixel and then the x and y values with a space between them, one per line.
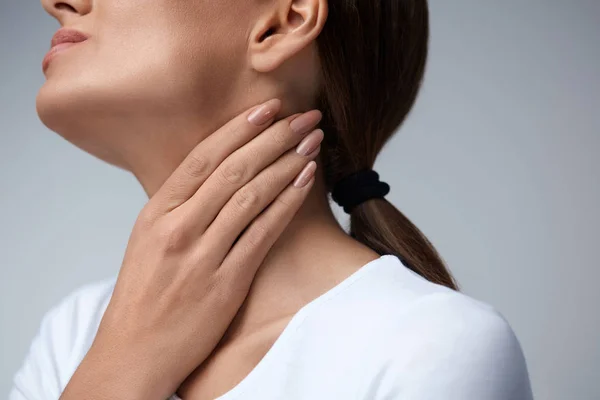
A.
pixel 146 217
pixel 247 198
pixel 285 201
pixel 227 294
pixel 291 164
pixel 258 234
pixel 200 253
pixel 171 237
pixel 269 179
pixel 197 166
pixel 255 153
pixel 279 136
pixel 232 173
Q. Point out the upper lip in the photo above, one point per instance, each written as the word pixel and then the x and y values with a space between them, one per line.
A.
pixel 65 35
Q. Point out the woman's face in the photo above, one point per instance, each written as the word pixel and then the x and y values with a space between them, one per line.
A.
pixel 153 74
pixel 143 58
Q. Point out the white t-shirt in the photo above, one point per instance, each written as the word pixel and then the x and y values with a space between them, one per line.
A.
pixel 382 333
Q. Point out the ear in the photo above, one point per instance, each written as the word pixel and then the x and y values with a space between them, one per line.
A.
pixel 290 26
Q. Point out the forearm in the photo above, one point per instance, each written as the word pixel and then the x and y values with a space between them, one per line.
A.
pixel 106 374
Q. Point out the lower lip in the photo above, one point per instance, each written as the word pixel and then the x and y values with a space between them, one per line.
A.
pixel 54 51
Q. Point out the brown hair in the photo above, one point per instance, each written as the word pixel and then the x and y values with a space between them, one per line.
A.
pixel 373 55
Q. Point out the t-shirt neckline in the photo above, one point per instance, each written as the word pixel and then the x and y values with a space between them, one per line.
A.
pixel 294 324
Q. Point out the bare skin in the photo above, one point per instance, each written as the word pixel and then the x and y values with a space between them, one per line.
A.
pixel 157 78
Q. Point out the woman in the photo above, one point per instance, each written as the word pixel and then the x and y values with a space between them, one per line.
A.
pixel 238 282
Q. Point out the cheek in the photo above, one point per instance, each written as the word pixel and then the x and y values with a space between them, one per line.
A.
pixel 141 60
pixel 116 73
pixel 150 48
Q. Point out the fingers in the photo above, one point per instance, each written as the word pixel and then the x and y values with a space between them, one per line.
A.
pixel 243 165
pixel 210 152
pixel 254 197
pixel 249 251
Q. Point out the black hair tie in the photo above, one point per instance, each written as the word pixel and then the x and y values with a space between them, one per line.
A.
pixel 357 188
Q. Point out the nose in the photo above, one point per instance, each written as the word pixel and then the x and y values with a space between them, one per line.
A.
pixel 65 10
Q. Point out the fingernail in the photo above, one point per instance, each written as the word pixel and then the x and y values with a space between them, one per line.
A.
pixel 264 112
pixel 307 173
pixel 306 121
pixel 310 142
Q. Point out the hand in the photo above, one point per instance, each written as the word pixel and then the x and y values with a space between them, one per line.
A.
pixel 193 253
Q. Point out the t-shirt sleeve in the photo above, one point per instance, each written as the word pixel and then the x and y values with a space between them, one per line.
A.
pixel 38 377
pixel 455 347
pixel 65 333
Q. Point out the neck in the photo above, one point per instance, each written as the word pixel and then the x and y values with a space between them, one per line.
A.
pixel 312 254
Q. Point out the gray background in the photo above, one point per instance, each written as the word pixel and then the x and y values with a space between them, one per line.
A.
pixel 497 165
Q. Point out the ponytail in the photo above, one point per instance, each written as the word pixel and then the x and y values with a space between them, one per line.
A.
pixel 382 227
pixel 373 56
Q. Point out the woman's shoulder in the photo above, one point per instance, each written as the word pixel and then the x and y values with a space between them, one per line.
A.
pixel 399 291
pixel 455 322
pixel 437 334
pixel 465 345
pixel 64 336
pixel 387 287
pixel 409 304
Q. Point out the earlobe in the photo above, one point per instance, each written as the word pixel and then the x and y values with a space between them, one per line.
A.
pixel 293 26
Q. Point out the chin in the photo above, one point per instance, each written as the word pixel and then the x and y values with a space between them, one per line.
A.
pixel 77 114
pixel 56 104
